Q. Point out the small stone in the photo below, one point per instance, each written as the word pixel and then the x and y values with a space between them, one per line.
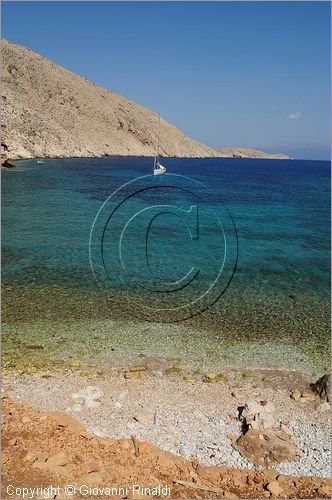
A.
pixel 296 394
pixel 132 375
pixel 35 346
pixel 324 491
pixel 92 403
pixel 275 489
pixel 90 396
pixel 78 399
pixel 92 478
pixel 76 407
pixel 173 369
pixel 184 452
pixel 138 368
pixel 145 448
pixel 145 417
pixel 229 494
pixel 64 420
pixel 285 428
pixel 231 437
pixel 75 364
pixel 240 396
pixel 307 396
pixel 323 407
pixel 59 459
pixel 210 376
pixel 33 456
pixel 90 467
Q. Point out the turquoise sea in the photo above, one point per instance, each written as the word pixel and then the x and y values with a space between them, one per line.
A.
pixel 262 224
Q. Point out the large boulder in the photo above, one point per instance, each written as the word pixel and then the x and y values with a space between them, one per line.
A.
pixel 267 448
pixel 262 442
pixel 323 387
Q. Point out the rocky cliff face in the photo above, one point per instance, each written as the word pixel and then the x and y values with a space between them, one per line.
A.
pixel 47 111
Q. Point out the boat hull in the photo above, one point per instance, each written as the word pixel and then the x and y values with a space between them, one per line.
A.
pixel 159 171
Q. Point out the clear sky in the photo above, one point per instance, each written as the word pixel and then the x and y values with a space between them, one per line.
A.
pixel 253 74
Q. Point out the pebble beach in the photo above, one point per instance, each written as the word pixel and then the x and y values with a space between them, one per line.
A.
pixel 188 414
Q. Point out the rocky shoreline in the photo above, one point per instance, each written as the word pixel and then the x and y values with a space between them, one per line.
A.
pixel 216 421
pixel 8 161
pixel 42 449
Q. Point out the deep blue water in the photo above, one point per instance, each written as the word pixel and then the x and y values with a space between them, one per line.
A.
pixel 280 210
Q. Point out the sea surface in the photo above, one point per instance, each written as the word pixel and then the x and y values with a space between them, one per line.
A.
pixel 224 263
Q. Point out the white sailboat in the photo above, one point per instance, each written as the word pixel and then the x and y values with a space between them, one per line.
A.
pixel 158 169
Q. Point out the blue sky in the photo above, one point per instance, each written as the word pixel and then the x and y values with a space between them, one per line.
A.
pixel 252 74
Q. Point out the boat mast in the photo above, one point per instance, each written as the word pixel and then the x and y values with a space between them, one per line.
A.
pixel 156 156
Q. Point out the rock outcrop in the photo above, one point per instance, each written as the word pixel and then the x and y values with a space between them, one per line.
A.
pixel 48 111
pixel 262 442
pixel 323 387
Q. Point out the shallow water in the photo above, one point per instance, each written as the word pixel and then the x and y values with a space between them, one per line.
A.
pixel 274 309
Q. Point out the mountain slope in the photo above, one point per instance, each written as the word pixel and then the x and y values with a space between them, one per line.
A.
pixel 47 111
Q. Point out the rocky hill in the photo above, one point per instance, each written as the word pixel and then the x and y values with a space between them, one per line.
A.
pixel 47 111
pixel 249 153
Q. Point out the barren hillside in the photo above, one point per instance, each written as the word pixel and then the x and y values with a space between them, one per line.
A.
pixel 47 111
